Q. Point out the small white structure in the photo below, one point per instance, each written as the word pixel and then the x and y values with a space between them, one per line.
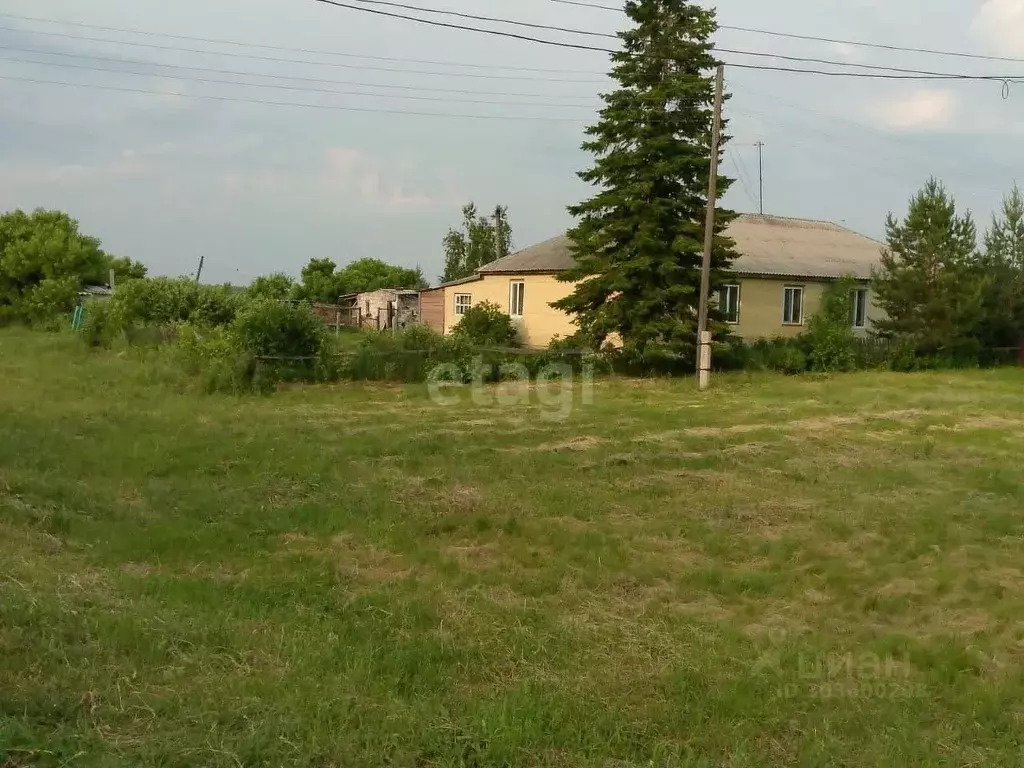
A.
pixel 383 310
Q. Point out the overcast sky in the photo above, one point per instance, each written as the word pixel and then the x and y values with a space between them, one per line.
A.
pixel 260 187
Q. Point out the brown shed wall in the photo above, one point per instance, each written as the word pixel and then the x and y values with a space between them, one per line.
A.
pixel 432 308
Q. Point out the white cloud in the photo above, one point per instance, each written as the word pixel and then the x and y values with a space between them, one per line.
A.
pixel 999 25
pixel 922 110
pixel 844 51
pixel 359 173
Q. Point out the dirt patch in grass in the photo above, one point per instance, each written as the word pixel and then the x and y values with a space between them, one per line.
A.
pixel 576 444
pixel 989 422
pixel 368 562
pixel 139 570
pixel 476 556
pixel 300 542
pixel 461 498
pixel 816 424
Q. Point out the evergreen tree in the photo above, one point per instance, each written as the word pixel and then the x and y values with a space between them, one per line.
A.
pixel 928 284
pixel 1002 268
pixel 480 241
pixel 639 241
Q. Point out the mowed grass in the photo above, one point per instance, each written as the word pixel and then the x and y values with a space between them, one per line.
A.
pixel 798 572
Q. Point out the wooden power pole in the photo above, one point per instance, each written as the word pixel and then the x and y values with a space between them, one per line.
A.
pixel 497 233
pixel 703 334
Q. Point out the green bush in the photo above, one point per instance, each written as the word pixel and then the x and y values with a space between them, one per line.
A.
pixel 789 359
pixel 214 357
pixel 578 351
pixel 164 302
pixel 286 339
pixel 781 355
pixel 96 329
pixel 831 344
pixel 486 325
pixel 407 356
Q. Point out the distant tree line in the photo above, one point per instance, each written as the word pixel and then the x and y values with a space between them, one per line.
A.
pixel 46 262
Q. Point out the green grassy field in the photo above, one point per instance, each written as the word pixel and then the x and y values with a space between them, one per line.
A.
pixel 792 572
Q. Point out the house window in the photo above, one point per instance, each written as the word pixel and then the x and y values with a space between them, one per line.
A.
pixel 860 308
pixel 463 301
pixel 516 298
pixel 729 303
pixel 793 305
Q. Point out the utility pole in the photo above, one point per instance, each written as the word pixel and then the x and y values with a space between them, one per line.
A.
pixel 199 272
pixel 497 233
pixel 760 174
pixel 703 334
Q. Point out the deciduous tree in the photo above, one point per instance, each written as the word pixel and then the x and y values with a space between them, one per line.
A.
pixel 44 262
pixel 323 282
pixel 480 241
pixel 277 286
pixel 126 269
pixel 374 274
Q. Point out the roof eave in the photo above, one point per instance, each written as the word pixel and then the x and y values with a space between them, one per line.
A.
pixel 794 275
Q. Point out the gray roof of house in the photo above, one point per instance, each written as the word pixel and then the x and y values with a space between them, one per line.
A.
pixel 461 281
pixel 768 245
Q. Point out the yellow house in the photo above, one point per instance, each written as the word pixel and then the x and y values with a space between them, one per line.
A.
pixel 778 281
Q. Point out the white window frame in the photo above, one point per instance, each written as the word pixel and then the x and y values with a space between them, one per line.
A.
pixel 462 307
pixel 860 296
pixel 796 290
pixel 723 306
pixel 516 298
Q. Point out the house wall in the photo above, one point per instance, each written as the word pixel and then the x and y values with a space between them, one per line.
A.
pixel 540 323
pixel 432 306
pixel 761 305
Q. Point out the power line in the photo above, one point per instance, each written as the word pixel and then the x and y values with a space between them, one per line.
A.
pixel 300 89
pixel 889 73
pixel 898 73
pixel 494 19
pixel 876 46
pixel 305 62
pixel 576 31
pixel 315 51
pixel 590 5
pixel 327 107
pixel 244 73
pixel 817 39
pixel 464 28
pixel 739 175
pixel 873 67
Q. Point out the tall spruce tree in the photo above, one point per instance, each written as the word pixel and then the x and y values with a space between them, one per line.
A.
pixel 929 282
pixel 638 243
pixel 1002 273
